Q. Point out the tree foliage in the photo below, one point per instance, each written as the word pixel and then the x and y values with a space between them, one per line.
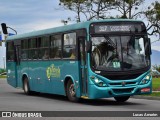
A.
pixel 128 8
pixel 153 16
pixel 156 67
pixel 86 10
pixel 75 6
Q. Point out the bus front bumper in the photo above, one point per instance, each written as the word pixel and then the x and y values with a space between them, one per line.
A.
pixel 106 92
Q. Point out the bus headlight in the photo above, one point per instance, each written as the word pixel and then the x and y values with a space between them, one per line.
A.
pixel 145 80
pixel 147 77
pixel 98 82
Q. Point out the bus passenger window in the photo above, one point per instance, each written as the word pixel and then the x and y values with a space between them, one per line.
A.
pixel 44 47
pixel 46 54
pixel 33 51
pixel 24 49
pixel 24 54
pixel 69 46
pixel 73 54
pixel 10 51
pixel 56 47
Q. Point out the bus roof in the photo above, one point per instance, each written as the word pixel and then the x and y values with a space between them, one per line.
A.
pixel 63 28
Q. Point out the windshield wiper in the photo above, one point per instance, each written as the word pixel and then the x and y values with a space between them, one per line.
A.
pixel 110 41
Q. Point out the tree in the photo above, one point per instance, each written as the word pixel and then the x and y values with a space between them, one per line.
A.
pixel 129 9
pixel 156 67
pixel 153 16
pixel 88 9
pixel 73 5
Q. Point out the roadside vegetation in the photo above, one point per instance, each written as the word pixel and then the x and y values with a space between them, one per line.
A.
pixel 155 87
pixel 2 73
pixel 156 84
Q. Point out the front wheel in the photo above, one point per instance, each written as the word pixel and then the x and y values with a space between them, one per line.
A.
pixel 71 93
pixel 122 99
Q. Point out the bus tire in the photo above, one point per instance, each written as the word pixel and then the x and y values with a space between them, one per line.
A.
pixel 122 99
pixel 26 87
pixel 71 94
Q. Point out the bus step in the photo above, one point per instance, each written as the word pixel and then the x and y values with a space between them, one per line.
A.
pixel 84 97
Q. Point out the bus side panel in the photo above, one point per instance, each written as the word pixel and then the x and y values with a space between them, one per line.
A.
pixel 11 77
pixel 56 73
pixel 23 70
pixel 34 75
pixel 45 84
pixel 49 76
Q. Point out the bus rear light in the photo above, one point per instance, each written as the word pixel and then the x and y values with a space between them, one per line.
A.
pixel 145 90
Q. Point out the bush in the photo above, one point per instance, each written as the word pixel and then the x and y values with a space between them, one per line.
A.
pixel 156 67
pixel 2 70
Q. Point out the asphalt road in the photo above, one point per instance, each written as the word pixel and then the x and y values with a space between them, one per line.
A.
pixel 12 99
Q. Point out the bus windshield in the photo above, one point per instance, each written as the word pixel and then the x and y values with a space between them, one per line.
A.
pixel 119 53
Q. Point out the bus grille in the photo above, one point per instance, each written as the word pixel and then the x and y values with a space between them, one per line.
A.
pixel 121 77
pixel 120 84
pixel 126 90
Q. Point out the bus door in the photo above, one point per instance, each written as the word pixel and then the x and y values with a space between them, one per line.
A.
pixel 17 47
pixel 83 67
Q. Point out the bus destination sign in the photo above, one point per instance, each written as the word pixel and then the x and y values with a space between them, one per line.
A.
pixel 117 28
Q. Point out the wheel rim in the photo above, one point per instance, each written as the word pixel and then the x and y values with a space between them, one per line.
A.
pixel 72 90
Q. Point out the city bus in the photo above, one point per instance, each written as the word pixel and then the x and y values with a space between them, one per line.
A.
pixel 87 60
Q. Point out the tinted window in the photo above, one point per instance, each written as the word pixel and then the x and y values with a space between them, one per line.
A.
pixel 32 43
pixel 24 47
pixel 69 46
pixel 33 51
pixel 56 46
pixel 10 51
pixel 44 47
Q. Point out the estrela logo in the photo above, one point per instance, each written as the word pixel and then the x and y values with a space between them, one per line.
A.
pixel 53 71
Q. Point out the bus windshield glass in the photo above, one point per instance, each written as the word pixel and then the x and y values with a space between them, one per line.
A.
pixel 119 53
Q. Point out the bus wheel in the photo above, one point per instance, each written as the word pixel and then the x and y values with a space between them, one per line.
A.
pixel 71 94
pixel 26 86
pixel 122 99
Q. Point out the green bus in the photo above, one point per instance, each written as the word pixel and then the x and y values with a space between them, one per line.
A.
pixel 89 60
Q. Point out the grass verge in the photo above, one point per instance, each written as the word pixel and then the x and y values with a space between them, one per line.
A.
pixel 2 76
pixel 154 94
pixel 156 84
pixel 155 87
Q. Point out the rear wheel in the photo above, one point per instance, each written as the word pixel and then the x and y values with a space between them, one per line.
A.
pixel 122 99
pixel 26 86
pixel 71 93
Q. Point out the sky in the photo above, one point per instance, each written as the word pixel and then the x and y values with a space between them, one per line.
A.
pixel 31 15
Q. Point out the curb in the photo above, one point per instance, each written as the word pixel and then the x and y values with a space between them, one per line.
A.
pixel 146 97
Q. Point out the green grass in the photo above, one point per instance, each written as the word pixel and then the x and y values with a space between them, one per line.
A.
pixel 156 94
pixel 156 84
pixel 1 76
pixel 155 87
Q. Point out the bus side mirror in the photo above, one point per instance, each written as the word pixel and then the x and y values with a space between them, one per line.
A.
pixel 89 47
pixel 4 28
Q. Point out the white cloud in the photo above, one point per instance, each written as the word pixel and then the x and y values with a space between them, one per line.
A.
pixel 156 48
pixel 39 25
pixel 156 45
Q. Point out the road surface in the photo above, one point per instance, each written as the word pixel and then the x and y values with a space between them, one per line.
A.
pixel 12 99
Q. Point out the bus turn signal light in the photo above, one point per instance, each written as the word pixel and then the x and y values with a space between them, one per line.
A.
pixel 145 90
